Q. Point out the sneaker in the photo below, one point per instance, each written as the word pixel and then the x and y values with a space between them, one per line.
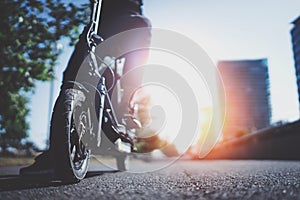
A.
pixel 41 166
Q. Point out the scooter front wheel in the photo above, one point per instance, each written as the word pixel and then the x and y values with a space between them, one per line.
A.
pixel 68 125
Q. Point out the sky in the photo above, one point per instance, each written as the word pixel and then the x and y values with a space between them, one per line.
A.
pixel 226 30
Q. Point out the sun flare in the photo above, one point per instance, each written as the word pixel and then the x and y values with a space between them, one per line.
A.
pixel 166 106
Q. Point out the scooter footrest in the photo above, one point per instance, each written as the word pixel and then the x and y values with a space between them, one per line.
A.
pixel 123 146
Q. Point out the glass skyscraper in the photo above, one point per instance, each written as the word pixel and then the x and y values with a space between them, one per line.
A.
pixel 246 84
pixel 296 49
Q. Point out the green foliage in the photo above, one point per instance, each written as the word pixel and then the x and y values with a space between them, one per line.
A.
pixel 29 32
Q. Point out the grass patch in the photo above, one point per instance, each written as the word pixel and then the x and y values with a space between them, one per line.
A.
pixel 14 161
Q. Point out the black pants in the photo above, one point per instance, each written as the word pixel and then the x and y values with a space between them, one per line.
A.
pixel 108 28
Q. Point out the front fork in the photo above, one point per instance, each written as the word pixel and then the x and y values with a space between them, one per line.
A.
pixel 101 88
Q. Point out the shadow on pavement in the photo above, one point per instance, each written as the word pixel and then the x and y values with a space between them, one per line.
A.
pixel 17 182
pixel 99 173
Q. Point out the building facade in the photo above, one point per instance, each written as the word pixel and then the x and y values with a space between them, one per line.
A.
pixel 247 103
pixel 295 32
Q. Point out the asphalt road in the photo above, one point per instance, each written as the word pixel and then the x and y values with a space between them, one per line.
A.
pixel 223 179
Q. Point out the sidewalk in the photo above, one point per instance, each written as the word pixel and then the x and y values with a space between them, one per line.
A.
pixel 281 143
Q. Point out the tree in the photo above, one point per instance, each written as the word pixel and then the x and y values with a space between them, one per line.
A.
pixel 29 33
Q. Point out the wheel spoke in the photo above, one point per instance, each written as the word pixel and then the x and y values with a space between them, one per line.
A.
pixel 78 150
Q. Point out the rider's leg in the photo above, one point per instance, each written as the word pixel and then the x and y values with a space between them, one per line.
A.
pixel 135 60
pixel 77 58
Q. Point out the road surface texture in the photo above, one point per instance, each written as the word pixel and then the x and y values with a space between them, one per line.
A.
pixel 214 179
